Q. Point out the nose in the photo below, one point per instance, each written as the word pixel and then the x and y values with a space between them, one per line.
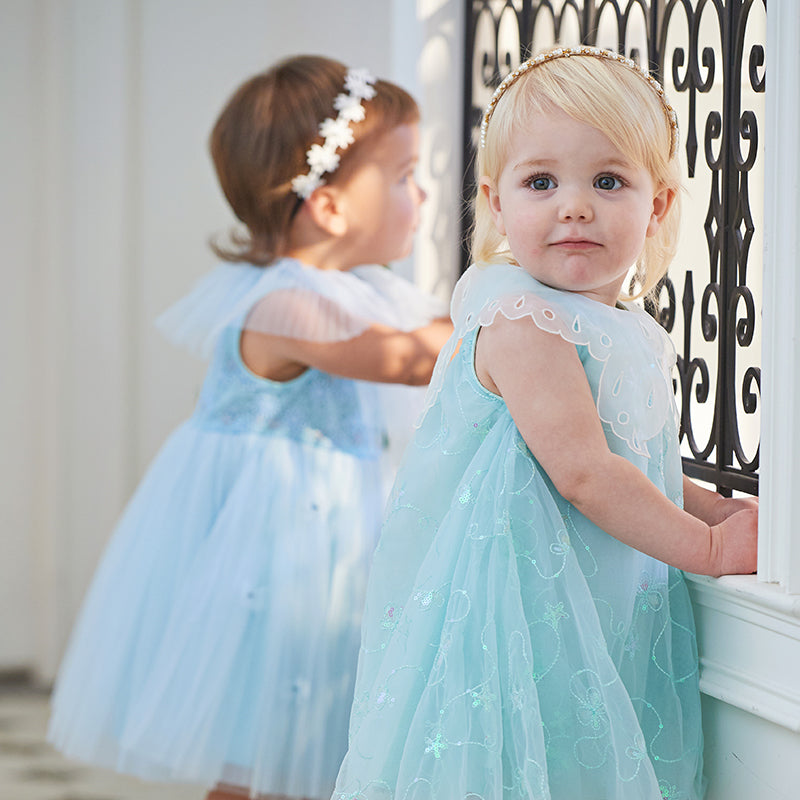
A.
pixel 422 195
pixel 575 206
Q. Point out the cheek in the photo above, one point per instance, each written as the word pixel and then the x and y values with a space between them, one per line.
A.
pixel 634 229
pixel 524 227
pixel 648 221
pixel 406 208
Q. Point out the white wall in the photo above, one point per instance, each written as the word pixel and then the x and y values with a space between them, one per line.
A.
pixel 18 215
pixel 108 199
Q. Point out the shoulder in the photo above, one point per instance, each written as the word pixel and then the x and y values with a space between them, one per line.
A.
pixel 488 295
pixel 509 344
pixel 487 289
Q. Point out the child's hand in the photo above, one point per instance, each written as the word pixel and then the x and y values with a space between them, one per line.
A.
pixel 735 540
pixel 727 506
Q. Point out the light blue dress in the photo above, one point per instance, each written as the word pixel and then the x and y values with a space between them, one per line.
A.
pixel 510 648
pixel 219 639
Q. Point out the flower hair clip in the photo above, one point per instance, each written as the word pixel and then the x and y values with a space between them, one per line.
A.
pixel 594 52
pixel 337 133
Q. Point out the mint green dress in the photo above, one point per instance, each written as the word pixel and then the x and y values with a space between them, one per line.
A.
pixel 511 648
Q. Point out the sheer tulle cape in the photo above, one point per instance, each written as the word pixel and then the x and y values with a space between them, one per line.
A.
pixel 219 638
pixel 510 648
pixel 294 300
pixel 647 397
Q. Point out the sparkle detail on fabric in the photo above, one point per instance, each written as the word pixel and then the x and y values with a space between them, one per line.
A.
pixel 537 656
pixel 336 132
pixel 593 52
pixel 194 579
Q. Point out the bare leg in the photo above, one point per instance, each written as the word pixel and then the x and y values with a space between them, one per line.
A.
pixel 225 792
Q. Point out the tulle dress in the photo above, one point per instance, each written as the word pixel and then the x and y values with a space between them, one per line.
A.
pixel 510 648
pixel 218 641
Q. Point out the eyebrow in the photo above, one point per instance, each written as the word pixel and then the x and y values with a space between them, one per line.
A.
pixel 536 163
pixel 408 162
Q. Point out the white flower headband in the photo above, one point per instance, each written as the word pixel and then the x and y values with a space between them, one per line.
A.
pixel 595 52
pixel 338 135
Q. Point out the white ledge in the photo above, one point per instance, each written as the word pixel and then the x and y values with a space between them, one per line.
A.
pixel 750 592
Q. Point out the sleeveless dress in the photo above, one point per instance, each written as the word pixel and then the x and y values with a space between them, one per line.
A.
pixel 219 639
pixel 511 648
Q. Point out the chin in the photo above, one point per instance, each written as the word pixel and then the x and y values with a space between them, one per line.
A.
pixel 404 253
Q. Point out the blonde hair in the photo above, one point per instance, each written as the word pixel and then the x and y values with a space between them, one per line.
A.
pixel 259 144
pixel 614 99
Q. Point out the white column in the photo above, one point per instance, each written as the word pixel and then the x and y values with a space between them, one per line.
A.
pixel 19 206
pixel 81 337
pixel 779 550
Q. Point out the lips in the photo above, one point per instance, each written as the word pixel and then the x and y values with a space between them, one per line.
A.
pixel 575 244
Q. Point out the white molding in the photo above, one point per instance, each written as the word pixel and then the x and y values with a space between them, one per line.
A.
pixel 20 323
pixel 779 547
pixel 758 696
pixel 749 641
pixel 50 582
pixel 84 265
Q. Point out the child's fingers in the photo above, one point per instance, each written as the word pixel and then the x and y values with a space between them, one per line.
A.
pixel 740 542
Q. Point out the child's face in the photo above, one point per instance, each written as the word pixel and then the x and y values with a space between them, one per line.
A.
pixel 382 198
pixel 575 210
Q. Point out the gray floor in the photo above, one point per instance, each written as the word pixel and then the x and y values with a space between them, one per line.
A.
pixel 31 770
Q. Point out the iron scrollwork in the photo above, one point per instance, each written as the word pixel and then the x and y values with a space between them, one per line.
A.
pixel 709 55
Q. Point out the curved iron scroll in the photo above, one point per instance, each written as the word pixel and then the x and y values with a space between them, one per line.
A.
pixel 709 55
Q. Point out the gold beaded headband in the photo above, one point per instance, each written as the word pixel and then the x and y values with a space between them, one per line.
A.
pixel 583 50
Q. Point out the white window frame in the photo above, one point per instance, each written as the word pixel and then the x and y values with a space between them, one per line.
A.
pixel 748 625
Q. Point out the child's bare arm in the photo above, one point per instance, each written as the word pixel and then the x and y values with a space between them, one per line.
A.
pixel 543 383
pixel 380 353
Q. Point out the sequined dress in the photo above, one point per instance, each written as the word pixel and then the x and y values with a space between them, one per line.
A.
pixel 510 648
pixel 218 641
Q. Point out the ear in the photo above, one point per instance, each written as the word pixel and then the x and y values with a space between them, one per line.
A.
pixel 489 189
pixel 325 208
pixel 662 202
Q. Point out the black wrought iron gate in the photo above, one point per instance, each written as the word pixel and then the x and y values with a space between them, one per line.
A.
pixel 709 54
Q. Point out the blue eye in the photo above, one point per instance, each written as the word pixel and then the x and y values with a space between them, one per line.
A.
pixel 541 183
pixel 608 182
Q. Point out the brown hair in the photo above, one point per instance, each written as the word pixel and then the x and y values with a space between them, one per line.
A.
pixel 259 143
